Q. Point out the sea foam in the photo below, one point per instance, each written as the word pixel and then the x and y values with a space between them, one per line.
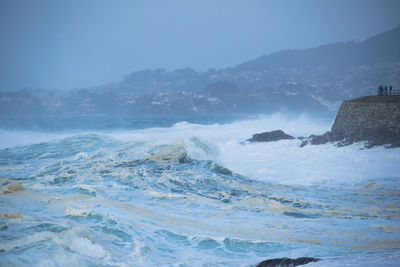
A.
pixel 282 161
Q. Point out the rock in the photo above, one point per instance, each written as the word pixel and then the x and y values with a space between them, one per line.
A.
pixel 317 139
pixel 286 262
pixel 373 119
pixel 270 136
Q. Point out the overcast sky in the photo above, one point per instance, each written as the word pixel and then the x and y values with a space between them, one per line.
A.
pixel 81 43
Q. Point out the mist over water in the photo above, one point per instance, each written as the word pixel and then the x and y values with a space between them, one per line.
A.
pixel 178 193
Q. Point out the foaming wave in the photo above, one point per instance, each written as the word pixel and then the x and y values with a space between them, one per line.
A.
pixel 239 130
pixel 286 162
pixel 303 125
pixel 9 138
pixel 173 195
pixel 283 161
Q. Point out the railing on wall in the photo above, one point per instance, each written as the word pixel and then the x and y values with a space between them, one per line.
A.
pixel 388 92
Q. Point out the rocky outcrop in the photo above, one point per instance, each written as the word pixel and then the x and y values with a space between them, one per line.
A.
pixel 270 136
pixel 374 119
pixel 286 262
pixel 316 139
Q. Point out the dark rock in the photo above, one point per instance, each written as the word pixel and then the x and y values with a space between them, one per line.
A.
pixel 286 262
pixel 317 139
pixel 375 119
pixel 344 143
pixel 304 143
pixel 372 119
pixel 321 139
pixel 270 136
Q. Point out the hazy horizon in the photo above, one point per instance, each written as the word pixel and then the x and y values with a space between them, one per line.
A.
pixel 74 44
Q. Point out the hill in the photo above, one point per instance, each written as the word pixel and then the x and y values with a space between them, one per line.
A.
pixel 382 48
pixel 314 80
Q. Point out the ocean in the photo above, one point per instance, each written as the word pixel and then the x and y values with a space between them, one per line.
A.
pixel 189 191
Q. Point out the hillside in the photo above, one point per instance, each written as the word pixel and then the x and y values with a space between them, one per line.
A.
pixel 314 80
pixel 382 48
pixel 330 73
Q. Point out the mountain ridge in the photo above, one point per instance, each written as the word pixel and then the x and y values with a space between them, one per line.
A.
pixel 309 80
pixel 332 52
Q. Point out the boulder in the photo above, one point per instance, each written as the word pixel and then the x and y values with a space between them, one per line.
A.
pixel 316 139
pixel 270 136
pixel 286 262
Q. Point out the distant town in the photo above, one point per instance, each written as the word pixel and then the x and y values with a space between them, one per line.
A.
pixel 313 80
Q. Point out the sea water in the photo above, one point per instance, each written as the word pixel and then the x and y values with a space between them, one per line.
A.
pixel 189 191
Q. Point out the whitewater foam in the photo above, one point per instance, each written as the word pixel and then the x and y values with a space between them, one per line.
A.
pixel 283 161
pixel 195 194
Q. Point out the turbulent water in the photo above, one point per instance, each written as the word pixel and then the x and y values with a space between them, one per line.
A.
pixel 158 191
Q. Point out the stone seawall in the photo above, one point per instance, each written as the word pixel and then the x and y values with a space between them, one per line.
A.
pixel 375 122
pixel 375 119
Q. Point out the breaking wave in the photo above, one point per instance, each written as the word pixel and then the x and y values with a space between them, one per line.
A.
pixel 195 194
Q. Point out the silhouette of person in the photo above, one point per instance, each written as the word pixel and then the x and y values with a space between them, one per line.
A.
pixel 386 90
pixel 390 90
pixel 380 92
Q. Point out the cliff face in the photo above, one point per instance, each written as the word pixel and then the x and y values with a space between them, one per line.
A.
pixel 375 119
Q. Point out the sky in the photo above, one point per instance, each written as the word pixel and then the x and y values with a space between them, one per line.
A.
pixel 60 44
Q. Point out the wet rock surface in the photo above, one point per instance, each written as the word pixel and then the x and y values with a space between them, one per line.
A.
pixel 270 136
pixel 316 139
pixel 286 262
pixel 373 119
